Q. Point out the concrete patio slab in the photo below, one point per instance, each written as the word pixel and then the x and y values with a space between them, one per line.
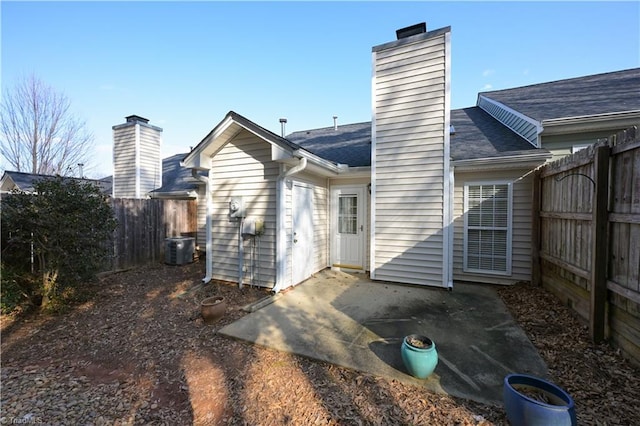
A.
pixel 351 321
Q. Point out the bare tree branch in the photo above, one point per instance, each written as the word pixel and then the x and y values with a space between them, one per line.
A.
pixel 38 131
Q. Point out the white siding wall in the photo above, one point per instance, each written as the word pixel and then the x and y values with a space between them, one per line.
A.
pixel 244 168
pixel 410 111
pixel 124 156
pixel 521 235
pixel 136 160
pixel 150 164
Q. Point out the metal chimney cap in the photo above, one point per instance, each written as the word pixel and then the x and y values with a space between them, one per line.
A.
pixel 283 120
pixel 134 118
pixel 412 30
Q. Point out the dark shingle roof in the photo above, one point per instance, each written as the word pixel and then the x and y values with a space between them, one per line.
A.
pixel 478 135
pixel 350 144
pixel 594 94
pixel 26 181
pixel 176 178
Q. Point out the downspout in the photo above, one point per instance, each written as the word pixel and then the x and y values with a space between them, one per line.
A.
pixel 208 234
pixel 281 233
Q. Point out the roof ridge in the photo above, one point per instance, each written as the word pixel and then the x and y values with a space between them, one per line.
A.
pixel 546 83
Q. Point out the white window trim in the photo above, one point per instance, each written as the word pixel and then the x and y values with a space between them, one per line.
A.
pixel 509 227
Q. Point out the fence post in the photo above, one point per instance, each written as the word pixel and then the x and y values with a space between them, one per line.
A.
pixel 536 278
pixel 599 223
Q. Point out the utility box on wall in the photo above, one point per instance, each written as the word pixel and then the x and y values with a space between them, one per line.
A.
pixel 179 250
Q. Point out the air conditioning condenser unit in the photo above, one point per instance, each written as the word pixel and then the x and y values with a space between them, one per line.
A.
pixel 179 250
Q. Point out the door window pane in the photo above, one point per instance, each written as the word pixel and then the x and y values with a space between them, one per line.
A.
pixel 347 214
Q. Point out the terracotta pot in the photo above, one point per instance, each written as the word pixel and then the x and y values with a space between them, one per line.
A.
pixel 213 308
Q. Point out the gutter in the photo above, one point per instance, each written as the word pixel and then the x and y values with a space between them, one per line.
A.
pixel 208 233
pixel 178 195
pixel 281 235
pixel 595 122
pixel 515 161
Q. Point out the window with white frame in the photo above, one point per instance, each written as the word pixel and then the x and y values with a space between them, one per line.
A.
pixel 487 227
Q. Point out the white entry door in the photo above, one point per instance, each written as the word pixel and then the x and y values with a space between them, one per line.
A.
pixel 303 257
pixel 348 227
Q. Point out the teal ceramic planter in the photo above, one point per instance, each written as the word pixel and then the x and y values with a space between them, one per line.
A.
pixel 419 355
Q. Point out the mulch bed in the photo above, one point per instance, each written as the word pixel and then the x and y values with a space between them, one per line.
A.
pixel 136 353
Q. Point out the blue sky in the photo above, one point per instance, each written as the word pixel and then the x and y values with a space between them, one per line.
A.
pixel 185 65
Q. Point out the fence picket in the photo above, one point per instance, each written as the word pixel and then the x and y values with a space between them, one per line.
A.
pixel 589 237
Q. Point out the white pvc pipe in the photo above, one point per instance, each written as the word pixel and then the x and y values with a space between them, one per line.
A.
pixel 208 233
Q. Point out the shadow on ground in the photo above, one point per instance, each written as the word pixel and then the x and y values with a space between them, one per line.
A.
pixel 352 322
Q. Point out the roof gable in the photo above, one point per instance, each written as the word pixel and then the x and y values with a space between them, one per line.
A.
pixel 232 124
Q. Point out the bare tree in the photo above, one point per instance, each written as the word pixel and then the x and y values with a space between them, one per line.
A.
pixel 38 131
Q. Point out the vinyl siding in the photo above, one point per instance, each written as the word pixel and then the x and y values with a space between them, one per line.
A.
pixel 150 164
pixel 409 97
pixel 124 159
pixel 561 145
pixel 521 222
pixel 244 168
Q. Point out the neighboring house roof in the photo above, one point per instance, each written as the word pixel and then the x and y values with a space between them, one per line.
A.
pixel 348 144
pixel 26 181
pixel 583 96
pixel 177 181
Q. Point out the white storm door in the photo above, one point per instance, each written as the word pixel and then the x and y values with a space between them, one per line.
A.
pixel 303 259
pixel 348 240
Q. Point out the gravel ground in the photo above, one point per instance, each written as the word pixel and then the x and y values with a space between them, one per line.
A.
pixel 138 354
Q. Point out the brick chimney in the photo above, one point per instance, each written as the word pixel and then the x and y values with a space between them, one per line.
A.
pixel 137 166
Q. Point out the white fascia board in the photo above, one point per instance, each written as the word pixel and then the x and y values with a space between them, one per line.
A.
pixel 199 157
pixel 585 123
pixel 539 126
pixel 356 172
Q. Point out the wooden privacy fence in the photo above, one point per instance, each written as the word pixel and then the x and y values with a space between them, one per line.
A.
pixel 587 233
pixel 143 226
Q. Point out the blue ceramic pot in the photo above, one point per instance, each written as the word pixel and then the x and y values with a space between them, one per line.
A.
pixel 531 401
pixel 420 360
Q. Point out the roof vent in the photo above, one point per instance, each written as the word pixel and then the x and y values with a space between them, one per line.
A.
pixel 412 30
pixel 335 122
pixel 283 121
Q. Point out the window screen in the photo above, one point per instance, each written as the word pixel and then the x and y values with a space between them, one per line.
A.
pixel 487 228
